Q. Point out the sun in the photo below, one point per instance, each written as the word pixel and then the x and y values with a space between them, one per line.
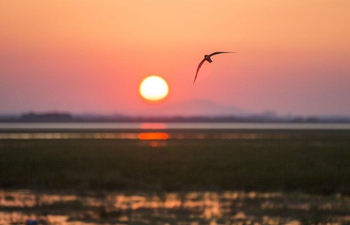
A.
pixel 154 88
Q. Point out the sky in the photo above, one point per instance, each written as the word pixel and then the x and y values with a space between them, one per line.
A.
pixel 90 56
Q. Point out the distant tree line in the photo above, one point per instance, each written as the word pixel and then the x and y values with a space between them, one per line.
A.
pixel 46 117
pixel 67 117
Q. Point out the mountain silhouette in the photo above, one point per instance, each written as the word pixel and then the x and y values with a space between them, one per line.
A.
pixel 198 107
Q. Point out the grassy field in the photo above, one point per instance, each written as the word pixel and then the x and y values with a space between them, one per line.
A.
pixel 314 162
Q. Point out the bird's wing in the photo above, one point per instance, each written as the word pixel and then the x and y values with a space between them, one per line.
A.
pixel 215 53
pixel 199 66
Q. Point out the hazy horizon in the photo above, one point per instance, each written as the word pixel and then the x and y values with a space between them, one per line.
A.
pixel 193 108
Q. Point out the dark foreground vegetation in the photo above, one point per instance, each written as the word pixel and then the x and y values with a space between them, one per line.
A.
pixel 314 162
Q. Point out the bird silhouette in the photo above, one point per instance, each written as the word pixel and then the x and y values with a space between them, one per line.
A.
pixel 207 58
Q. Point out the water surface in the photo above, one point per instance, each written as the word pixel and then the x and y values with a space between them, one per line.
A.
pixel 165 126
pixel 176 208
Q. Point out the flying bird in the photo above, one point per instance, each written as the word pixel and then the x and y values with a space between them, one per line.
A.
pixel 207 58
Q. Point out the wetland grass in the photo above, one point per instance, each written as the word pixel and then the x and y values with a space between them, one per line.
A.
pixel 307 162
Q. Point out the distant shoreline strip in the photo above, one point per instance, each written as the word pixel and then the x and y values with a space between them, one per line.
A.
pixel 146 136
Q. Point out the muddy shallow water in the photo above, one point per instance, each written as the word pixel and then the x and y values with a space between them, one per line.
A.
pixel 177 208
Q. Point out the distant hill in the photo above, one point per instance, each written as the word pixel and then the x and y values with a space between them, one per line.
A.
pixel 206 108
pixel 197 107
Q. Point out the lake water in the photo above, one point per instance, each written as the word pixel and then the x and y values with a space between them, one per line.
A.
pixel 162 131
pixel 165 126
pixel 175 208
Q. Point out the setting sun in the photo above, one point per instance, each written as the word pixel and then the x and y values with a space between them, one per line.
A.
pixel 154 88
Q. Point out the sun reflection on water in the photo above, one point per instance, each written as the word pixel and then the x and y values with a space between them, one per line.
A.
pixel 153 139
pixel 153 136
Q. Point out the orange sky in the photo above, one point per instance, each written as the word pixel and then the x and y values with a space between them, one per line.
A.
pixel 89 56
